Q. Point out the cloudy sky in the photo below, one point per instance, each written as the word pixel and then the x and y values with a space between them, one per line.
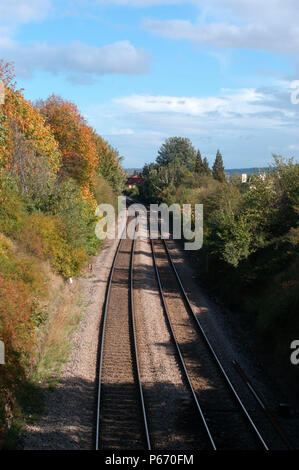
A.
pixel 220 72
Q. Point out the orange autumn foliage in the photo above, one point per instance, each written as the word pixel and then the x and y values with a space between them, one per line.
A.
pixel 7 73
pixel 16 317
pixel 89 197
pixel 17 112
pixel 79 157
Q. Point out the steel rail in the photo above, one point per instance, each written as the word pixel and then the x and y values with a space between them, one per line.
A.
pixel 105 312
pixel 264 407
pixel 148 442
pixel 212 351
pixel 211 440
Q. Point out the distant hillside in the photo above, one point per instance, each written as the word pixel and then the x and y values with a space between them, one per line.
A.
pixel 132 171
pixel 249 171
pixel 230 171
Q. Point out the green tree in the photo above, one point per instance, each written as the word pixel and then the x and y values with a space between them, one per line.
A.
pixel 198 163
pixel 205 167
pixel 218 168
pixel 179 149
pixel 109 165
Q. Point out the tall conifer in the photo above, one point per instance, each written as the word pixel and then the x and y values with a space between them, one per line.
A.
pixel 218 168
pixel 198 163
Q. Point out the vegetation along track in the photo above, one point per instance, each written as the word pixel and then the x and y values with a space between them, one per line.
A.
pixel 121 417
pixel 224 417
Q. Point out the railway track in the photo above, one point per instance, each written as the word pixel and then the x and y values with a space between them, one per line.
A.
pixel 221 418
pixel 223 414
pixel 121 414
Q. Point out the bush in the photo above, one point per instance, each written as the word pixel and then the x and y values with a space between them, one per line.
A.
pixel 12 207
pixel 76 209
pixel 19 266
pixel 132 192
pixel 17 333
pixel 46 236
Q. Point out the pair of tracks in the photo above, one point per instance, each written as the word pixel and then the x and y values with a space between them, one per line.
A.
pixel 223 421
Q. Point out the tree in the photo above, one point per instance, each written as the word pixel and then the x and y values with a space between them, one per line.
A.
pixel 218 168
pixel 29 169
pixel 198 163
pixel 109 165
pixel 20 119
pixel 179 149
pixel 205 167
pixel 7 74
pixel 79 157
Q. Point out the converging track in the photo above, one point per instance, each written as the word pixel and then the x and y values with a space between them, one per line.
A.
pixel 121 416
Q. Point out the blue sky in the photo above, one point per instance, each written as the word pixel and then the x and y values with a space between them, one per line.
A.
pixel 217 71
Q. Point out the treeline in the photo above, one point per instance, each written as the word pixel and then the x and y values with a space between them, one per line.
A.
pixel 177 161
pixel 251 231
pixel 54 170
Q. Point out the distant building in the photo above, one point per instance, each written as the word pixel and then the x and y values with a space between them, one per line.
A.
pixel 262 176
pixel 134 181
pixel 244 178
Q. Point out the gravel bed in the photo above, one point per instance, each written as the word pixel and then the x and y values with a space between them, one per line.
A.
pixel 170 410
pixel 68 419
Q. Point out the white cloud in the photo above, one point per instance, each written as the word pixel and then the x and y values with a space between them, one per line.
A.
pixel 230 103
pixel 234 114
pixel 270 25
pixel 115 131
pixel 81 62
pixel 222 35
pixel 267 11
pixel 294 147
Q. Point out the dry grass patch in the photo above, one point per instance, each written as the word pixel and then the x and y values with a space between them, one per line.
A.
pixel 63 320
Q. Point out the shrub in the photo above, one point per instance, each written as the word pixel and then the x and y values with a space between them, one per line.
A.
pixel 17 333
pixel 76 210
pixel 19 266
pixel 50 241
pixel 12 207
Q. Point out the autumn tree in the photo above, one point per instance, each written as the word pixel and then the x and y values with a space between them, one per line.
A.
pixel 75 138
pixel 18 113
pixel 7 74
pixel 218 168
pixel 30 170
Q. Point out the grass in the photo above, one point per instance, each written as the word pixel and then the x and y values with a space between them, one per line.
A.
pixel 57 345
